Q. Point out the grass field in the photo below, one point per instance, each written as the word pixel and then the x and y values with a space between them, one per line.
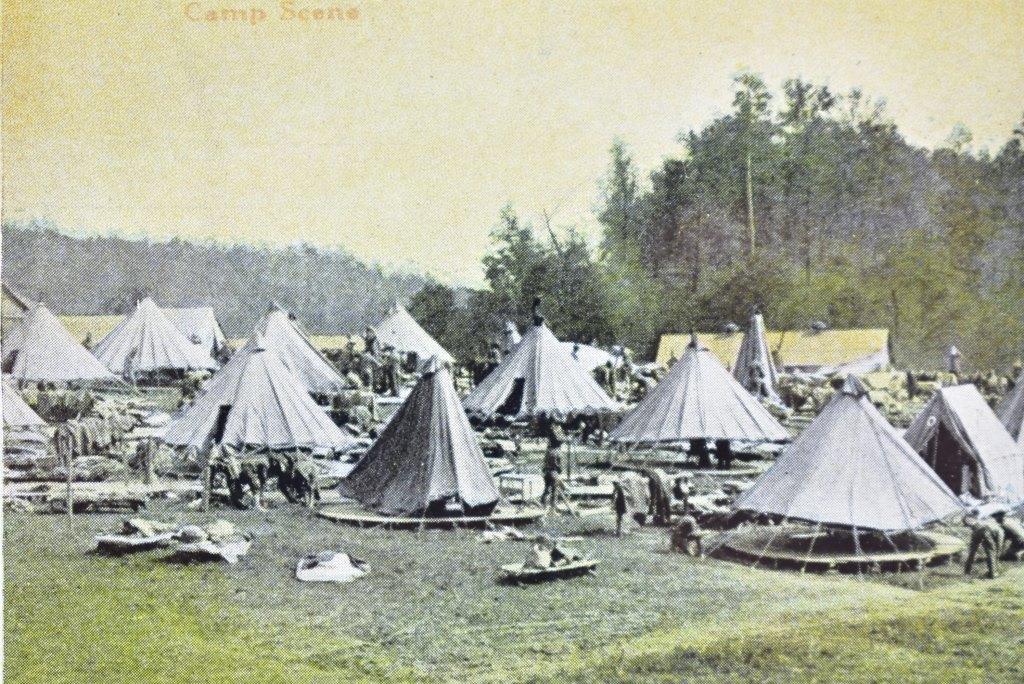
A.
pixel 431 610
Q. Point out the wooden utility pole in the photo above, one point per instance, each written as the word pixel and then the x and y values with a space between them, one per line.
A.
pixel 751 231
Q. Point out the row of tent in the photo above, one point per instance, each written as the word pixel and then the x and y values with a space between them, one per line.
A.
pixel 39 348
pixel 848 468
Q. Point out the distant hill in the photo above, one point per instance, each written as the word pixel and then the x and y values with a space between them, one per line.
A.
pixel 330 290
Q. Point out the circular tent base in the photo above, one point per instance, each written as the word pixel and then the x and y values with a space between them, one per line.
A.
pixel 680 467
pixel 348 516
pixel 820 550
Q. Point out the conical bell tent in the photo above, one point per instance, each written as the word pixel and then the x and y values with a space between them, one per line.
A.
pixel 281 335
pixel 698 399
pixel 959 436
pixel 42 350
pixel 16 413
pixel 146 342
pixel 255 402
pixel 510 338
pixel 539 378
pixel 427 456
pixel 1011 410
pixel 851 469
pixel 401 331
pixel 755 367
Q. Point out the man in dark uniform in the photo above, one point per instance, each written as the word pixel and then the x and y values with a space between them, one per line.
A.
pixel 368 369
pixel 686 536
pixel 699 449
pixel 392 362
pixel 987 536
pixel 370 341
pixel 620 505
pixel 552 463
pixel 723 452
pixel 1013 534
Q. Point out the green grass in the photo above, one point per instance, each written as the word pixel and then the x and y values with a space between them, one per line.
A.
pixel 431 609
pixel 966 635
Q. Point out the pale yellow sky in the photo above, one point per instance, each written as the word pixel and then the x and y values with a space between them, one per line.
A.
pixel 401 133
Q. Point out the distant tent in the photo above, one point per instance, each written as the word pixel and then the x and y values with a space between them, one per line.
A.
pixel 851 469
pixel 15 411
pixel 401 331
pixel 755 367
pixel 539 378
pixel 146 341
pixel 1011 410
pixel 13 307
pixel 255 402
pixel 426 456
pixel 198 323
pixel 281 335
pixel 591 357
pixel 959 436
pixel 511 338
pixel 40 349
pixel 698 399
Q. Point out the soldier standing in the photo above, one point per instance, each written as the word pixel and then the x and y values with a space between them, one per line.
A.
pixel 987 536
pixel 552 463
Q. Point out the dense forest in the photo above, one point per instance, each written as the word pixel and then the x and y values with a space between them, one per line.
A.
pixel 806 202
pixel 328 289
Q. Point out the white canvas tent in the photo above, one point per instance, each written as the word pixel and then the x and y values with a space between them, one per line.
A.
pixel 41 349
pixel 755 367
pixel 539 378
pixel 959 436
pixel 591 357
pixel 510 338
pixel 401 331
pixel 698 399
pixel 853 470
pixel 198 323
pixel 281 335
pixel 1011 410
pixel 146 341
pixel 427 454
pixel 254 401
pixel 16 413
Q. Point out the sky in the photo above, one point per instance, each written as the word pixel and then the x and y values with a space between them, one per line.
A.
pixel 398 130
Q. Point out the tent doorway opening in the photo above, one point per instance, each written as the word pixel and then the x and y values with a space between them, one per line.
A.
pixel 221 424
pixel 514 402
pixel 953 465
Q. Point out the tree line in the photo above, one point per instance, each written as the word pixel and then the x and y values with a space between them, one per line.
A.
pixel 329 290
pixel 806 202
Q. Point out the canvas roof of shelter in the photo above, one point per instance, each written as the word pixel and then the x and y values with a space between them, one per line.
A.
pixel 1011 410
pixel 270 408
pixel 401 331
pixel 968 418
pixel 147 341
pixel 282 335
pixel 427 452
pixel 698 399
pixel 17 413
pixel 754 353
pixel 199 321
pixel 554 384
pixel 44 351
pixel 832 348
pixel 850 468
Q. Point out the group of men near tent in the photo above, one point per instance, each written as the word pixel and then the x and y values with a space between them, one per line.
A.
pixel 998 537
